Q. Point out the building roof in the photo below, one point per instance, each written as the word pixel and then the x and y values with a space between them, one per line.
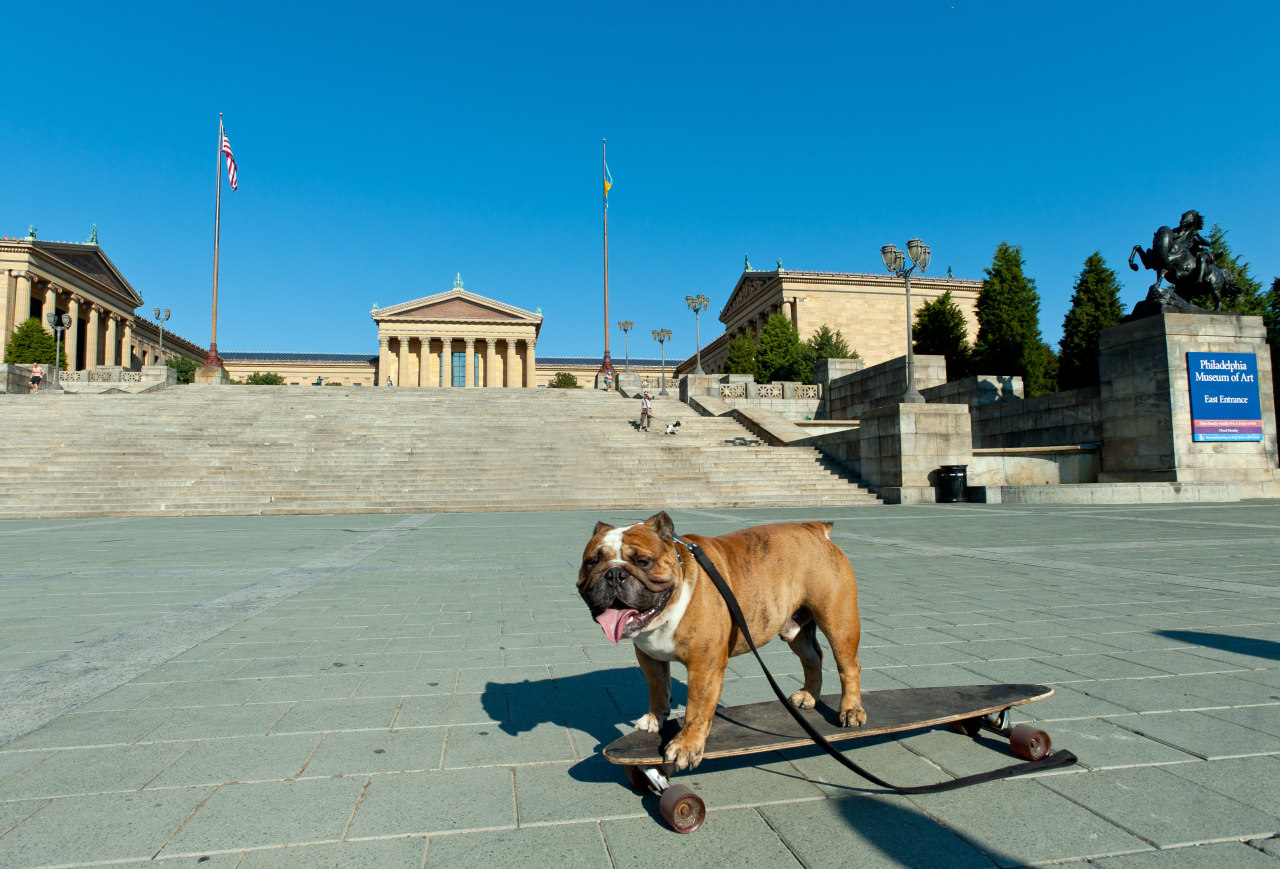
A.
pixel 297 357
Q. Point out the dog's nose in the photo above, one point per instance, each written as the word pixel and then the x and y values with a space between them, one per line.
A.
pixel 615 575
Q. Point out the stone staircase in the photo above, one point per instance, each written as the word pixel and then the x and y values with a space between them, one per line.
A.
pixel 246 450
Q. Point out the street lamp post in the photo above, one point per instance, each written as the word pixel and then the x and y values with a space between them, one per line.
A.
pixel 662 336
pixel 626 326
pixel 60 324
pixel 895 262
pixel 697 304
pixel 161 321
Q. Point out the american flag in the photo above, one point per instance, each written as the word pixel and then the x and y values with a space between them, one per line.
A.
pixel 231 160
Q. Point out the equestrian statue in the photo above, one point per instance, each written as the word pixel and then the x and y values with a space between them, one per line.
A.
pixel 1182 257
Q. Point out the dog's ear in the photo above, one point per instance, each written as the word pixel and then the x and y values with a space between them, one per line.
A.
pixel 662 526
pixel 601 526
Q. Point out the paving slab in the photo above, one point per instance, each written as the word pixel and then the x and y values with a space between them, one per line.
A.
pixel 385 690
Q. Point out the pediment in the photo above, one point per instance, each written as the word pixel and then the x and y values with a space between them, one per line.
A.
pixel 456 305
pixel 748 285
pixel 90 261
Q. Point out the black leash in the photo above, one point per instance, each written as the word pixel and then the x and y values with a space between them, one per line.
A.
pixel 1051 761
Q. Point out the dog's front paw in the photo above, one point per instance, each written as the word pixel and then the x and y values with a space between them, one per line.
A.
pixel 651 723
pixel 683 753
pixel 802 699
pixel 854 717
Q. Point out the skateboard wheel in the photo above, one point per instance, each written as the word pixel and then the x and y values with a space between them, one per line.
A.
pixel 682 809
pixel 1029 743
pixel 639 781
pixel 967 726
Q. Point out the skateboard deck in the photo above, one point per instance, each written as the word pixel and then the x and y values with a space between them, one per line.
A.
pixel 767 726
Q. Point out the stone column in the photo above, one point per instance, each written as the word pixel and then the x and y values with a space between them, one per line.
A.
pixel 72 338
pixel 530 365
pixel 91 339
pixel 50 304
pixel 488 363
pixel 110 356
pixel 126 346
pixel 424 361
pixel 509 364
pixel 446 361
pixel 22 304
pixel 384 360
pixel 469 364
pixel 402 374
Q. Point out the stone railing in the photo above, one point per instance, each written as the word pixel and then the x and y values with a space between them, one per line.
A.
pixel 769 390
pixel 805 390
pixel 733 390
pixel 74 377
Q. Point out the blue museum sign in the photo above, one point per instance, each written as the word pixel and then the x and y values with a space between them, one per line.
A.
pixel 1224 397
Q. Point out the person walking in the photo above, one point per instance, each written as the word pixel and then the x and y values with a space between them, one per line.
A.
pixel 37 375
pixel 646 411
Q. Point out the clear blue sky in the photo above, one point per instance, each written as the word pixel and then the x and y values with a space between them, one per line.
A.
pixel 384 147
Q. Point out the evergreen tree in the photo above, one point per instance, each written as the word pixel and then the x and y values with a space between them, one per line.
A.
pixel 741 358
pixel 826 344
pixel 779 356
pixel 31 343
pixel 1050 362
pixel 940 330
pixel 1251 300
pixel 1095 305
pixel 822 344
pixel 1008 312
pixel 185 367
pixel 565 380
pixel 270 378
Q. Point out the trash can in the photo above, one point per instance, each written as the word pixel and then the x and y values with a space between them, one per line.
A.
pixel 952 482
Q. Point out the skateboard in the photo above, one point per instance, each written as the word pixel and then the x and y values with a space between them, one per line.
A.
pixel 757 727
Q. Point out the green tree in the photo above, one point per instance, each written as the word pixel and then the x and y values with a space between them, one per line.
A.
pixel 31 343
pixel 940 330
pixel 741 358
pixel 1251 300
pixel 185 367
pixel 1095 305
pixel 779 356
pixel 1008 310
pixel 564 380
pixel 270 378
pixel 822 344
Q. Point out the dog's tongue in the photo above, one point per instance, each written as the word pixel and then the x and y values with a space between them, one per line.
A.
pixel 614 622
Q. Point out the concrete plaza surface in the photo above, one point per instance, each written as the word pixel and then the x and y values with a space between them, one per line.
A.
pixel 428 690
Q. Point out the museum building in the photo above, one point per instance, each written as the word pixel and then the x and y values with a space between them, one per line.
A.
pixel 868 310
pixel 38 278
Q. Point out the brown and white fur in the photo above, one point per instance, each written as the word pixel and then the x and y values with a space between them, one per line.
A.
pixel 790 580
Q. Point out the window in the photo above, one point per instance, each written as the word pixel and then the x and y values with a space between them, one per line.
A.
pixel 476 368
pixel 460 369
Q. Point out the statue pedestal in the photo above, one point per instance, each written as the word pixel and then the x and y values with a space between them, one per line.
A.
pixel 212 374
pixel 1146 402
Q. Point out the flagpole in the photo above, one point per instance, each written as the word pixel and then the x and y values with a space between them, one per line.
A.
pixel 606 366
pixel 213 359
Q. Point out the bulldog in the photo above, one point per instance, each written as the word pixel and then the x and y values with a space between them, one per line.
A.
pixel 790 580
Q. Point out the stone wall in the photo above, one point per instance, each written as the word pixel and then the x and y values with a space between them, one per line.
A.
pixel 15 378
pixel 978 391
pixel 1060 418
pixel 852 395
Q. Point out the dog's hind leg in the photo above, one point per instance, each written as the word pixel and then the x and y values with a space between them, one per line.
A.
pixel 804 642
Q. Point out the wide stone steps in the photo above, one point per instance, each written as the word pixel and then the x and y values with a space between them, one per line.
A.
pixel 249 450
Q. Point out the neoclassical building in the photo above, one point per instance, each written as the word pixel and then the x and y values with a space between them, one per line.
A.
pixel 457 339
pixel 868 310
pixel 42 277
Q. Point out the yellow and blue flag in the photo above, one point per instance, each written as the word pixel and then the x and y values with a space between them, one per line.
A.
pixel 608 182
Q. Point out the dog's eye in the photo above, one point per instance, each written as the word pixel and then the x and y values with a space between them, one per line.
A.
pixel 590 563
pixel 643 562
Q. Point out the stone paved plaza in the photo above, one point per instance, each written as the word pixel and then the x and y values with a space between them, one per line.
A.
pixel 419 690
